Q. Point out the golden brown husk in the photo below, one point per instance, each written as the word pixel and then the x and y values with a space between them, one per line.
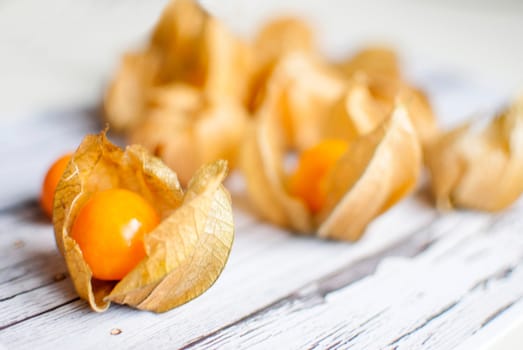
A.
pixel 193 75
pixel 378 169
pixel 186 252
pixel 480 169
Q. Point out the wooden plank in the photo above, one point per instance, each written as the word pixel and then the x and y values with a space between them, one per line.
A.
pixel 436 300
pixel 293 287
pixel 251 253
pixel 249 282
pixel 503 332
pixel 31 267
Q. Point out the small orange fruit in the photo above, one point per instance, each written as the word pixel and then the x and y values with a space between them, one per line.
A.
pixel 314 164
pixel 51 180
pixel 110 228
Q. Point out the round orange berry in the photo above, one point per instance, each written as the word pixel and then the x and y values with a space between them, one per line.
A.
pixel 50 182
pixel 314 164
pixel 110 228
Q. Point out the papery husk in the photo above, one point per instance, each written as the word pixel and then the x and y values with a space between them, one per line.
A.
pixel 125 98
pixel 479 168
pixel 261 162
pixel 230 63
pixel 178 39
pixel 378 170
pixel 377 68
pixel 420 114
pixel 355 114
pixel 281 36
pixel 375 61
pixel 301 92
pixel 185 252
pixel 189 47
pixel 198 50
pixel 369 100
pixel 276 39
pixel 186 128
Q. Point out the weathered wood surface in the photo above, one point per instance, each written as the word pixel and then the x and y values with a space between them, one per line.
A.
pixel 418 279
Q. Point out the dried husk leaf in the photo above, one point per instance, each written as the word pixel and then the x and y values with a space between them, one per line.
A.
pixel 173 54
pixel 176 97
pixel 187 46
pixel 375 61
pixel 368 101
pixel 229 63
pixel 420 113
pixel 178 39
pixel 187 129
pixel 301 92
pixel 356 113
pixel 480 168
pixel 281 36
pixel 124 100
pixel 196 49
pixel 379 169
pixel 187 251
pixel 276 39
pixel 177 269
pixel 378 69
pixel 262 166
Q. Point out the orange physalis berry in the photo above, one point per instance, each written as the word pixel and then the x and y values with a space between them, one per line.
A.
pixel 51 180
pixel 110 228
pixel 314 164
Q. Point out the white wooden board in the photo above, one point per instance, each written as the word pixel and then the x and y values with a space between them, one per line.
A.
pixel 418 279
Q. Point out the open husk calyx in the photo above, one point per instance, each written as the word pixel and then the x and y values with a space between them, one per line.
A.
pixel 300 92
pixel 368 100
pixel 377 170
pixel 185 253
pixel 184 94
pixel 188 46
pixel 187 128
pixel 377 61
pixel 480 168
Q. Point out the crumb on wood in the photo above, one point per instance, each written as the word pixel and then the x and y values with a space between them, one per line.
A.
pixel 59 277
pixel 19 243
pixel 116 331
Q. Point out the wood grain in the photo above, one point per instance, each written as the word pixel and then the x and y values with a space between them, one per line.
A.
pixel 249 283
pixel 418 279
pixel 464 279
